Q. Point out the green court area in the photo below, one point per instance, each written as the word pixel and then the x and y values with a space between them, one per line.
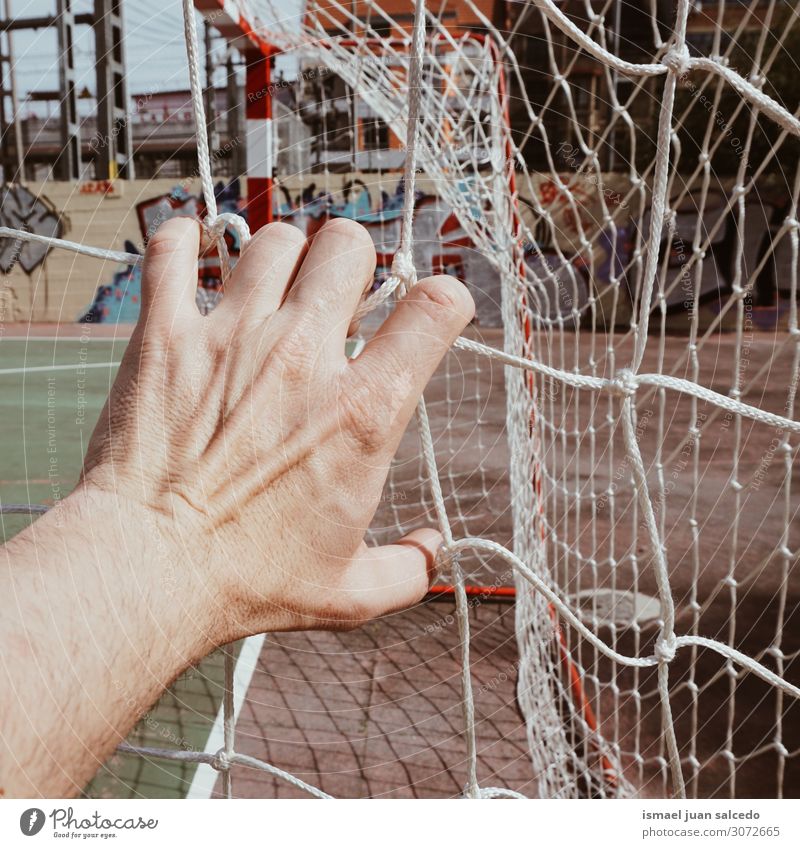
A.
pixel 51 394
pixel 182 720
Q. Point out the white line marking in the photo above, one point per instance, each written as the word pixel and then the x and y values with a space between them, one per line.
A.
pixel 64 339
pixel 205 777
pixel 31 368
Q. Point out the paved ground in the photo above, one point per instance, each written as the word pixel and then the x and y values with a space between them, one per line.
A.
pixel 376 712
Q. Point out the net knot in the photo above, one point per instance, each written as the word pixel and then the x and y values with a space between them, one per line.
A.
pixel 445 557
pixel 377 297
pixel 492 792
pixel 403 268
pixel 472 791
pixel 666 648
pixel 221 761
pixel 678 59
pixel 624 383
pixel 216 226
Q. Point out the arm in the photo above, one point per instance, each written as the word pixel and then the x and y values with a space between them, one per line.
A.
pixel 226 491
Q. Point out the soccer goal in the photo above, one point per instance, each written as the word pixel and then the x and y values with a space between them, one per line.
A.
pixel 618 184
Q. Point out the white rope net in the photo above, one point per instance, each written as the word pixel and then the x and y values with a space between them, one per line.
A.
pixel 649 509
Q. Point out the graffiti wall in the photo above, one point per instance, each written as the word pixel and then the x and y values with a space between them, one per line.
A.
pixel 51 286
pixel 440 244
pixel 21 209
pixel 56 286
pixel 119 300
pixel 617 220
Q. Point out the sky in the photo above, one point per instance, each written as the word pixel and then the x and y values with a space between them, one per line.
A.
pixel 156 56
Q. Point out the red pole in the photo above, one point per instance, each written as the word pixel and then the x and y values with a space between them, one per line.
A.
pixel 260 140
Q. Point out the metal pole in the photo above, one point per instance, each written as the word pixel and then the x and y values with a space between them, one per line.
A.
pixel 12 82
pixel 113 142
pixel 68 164
pixel 260 148
pixel 234 122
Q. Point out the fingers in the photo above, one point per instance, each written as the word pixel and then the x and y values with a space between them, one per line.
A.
pixel 264 273
pixel 400 359
pixel 169 275
pixel 393 577
pixel 335 273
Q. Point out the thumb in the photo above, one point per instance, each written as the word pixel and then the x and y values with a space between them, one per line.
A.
pixel 392 577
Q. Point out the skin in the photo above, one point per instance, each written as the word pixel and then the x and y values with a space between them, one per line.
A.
pixel 226 491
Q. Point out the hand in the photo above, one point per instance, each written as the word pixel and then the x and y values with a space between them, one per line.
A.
pixel 251 452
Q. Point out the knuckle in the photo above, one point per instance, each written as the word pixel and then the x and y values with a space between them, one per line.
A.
pixel 291 355
pixel 281 232
pixel 170 236
pixel 443 298
pixel 361 419
pixel 352 230
pixel 160 246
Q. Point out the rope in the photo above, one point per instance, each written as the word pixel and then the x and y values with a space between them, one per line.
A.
pixel 72 246
pixel 215 223
pixel 676 60
pixel 222 762
pixel 403 274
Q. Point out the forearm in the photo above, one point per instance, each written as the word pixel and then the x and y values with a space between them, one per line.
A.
pixel 95 625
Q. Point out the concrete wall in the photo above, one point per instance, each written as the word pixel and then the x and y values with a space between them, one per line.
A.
pixel 61 285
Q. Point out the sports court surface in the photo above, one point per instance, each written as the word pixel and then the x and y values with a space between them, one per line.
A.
pixel 376 712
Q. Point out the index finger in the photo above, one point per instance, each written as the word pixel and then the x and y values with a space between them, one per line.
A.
pixel 417 335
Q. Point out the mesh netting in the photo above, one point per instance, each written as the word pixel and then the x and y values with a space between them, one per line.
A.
pixel 640 493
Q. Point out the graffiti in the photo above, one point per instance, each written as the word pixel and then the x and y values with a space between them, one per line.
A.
pixel 309 207
pixel 564 275
pixel 108 188
pixel 20 209
pixel 565 272
pixel 154 211
pixel 441 245
pixel 119 301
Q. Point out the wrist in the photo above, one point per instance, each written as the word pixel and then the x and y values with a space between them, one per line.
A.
pixel 89 615
pixel 191 567
pixel 134 556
